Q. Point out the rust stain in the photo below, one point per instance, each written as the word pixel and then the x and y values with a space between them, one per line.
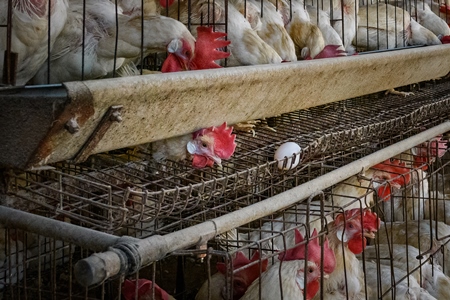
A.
pixel 80 105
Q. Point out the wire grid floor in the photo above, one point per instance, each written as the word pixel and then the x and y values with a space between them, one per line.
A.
pixel 54 278
pixel 121 189
pixel 56 258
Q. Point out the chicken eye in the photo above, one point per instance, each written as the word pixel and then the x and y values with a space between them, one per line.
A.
pixel 204 145
pixel 391 159
pixel 310 270
pixel 350 225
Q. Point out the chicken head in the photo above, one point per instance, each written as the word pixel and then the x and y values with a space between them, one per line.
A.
pixel 392 173
pixel 183 56
pixel 144 290
pixel 371 223
pixel 314 252
pixel 211 145
pixel 181 53
pixel 427 152
pixel 311 252
pixel 445 39
pixel 36 7
pixel 353 228
pixel 242 279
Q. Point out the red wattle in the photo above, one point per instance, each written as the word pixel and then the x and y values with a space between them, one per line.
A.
pixel 311 289
pixel 421 162
pixel 172 64
pixel 357 244
pixel 200 161
pixel 384 192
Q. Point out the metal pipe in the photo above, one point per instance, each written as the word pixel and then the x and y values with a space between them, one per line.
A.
pixel 84 237
pixel 101 266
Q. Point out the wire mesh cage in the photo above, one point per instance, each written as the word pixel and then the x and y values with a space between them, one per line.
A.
pixel 124 193
pixel 410 243
pixel 128 193
pixel 94 39
pixel 126 187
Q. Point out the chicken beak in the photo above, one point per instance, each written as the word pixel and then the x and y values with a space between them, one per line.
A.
pixel 369 234
pixel 217 160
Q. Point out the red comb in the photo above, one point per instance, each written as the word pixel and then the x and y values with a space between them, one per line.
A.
pixel 438 146
pixel 396 168
pixel 166 3
pixel 144 287
pixel 348 214
pixel 329 261
pixel 371 221
pixel 427 152
pixel 298 252
pixel 314 252
pixel 206 49
pixel 445 39
pixel 444 8
pixel 243 278
pixel 253 271
pixel 224 144
pixel 241 260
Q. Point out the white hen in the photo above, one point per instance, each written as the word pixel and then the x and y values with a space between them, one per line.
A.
pixel 30 24
pixel 101 53
pixel 427 274
pixel 381 278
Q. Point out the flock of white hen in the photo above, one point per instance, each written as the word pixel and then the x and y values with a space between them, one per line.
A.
pixel 406 259
pixel 93 38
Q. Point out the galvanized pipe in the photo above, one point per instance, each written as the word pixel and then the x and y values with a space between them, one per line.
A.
pixel 101 266
pixel 84 237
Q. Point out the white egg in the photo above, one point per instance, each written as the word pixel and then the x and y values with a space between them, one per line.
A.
pixel 287 150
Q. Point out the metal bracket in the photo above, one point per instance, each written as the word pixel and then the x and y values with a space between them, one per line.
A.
pixel 112 115
pixel 10 63
pixel 11 59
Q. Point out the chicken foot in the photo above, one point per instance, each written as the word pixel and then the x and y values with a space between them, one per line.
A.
pixel 249 126
pixel 394 92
